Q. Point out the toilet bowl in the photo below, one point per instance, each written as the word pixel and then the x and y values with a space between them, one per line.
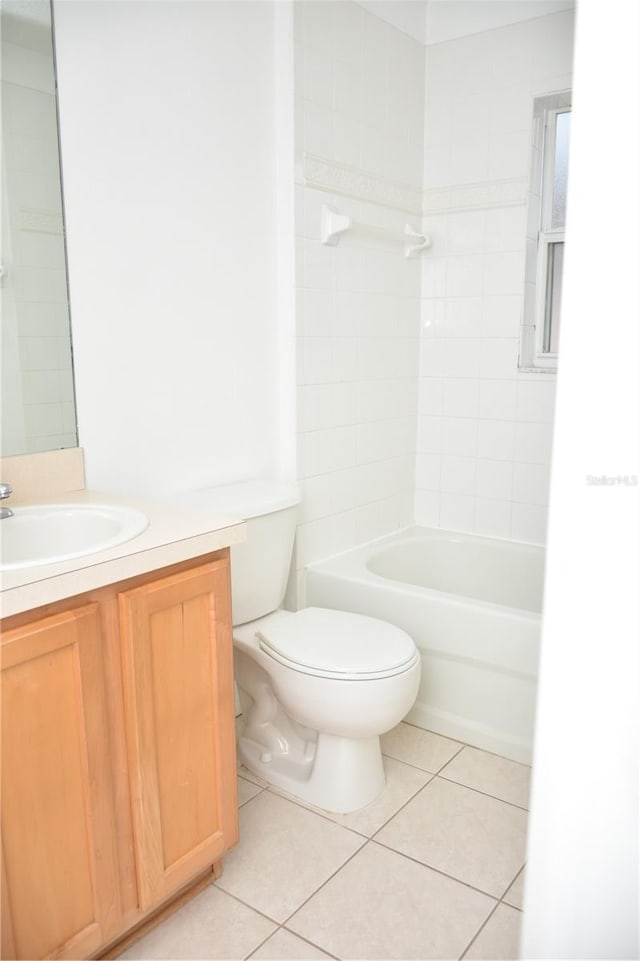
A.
pixel 317 687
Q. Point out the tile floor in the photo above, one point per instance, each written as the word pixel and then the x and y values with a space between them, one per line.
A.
pixel 432 869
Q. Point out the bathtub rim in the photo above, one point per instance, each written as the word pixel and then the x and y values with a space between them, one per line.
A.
pixel 352 564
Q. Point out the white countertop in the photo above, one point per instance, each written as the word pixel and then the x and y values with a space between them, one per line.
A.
pixel 173 535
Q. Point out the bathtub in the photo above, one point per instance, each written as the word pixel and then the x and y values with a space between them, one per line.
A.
pixel 473 607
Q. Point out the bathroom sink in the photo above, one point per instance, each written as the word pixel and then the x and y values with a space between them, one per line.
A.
pixel 47 533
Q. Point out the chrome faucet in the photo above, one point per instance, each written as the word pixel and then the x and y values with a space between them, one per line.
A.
pixel 5 491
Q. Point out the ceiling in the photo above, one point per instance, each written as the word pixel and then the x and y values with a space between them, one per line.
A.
pixel 434 21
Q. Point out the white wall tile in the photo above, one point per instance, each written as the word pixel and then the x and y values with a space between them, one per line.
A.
pixel 466 232
pixel 430 435
pixel 431 396
pixel 459 436
pixel 529 523
pixel 345 358
pixel 462 317
pixel 346 140
pixel 427 508
pixel 501 316
pixel 348 34
pixel 505 229
pixel 536 401
pixel 434 275
pixel 461 357
pixel 478 129
pixel 318 262
pixel 317 498
pixel 504 273
pixel 318 129
pixel 428 468
pixel 465 276
pixel 461 397
pixel 492 518
pixel 498 358
pixel 456 512
pixel 496 439
pixel 315 313
pixel 509 155
pixel 531 483
pixel 458 474
pixel 314 360
pixel 494 479
pixel 533 443
pixel 317 69
pixel 498 399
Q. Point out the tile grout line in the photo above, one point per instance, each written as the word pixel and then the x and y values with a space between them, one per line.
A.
pixel 439 871
pixel 281 927
pixel 367 839
pixel 480 929
pixel 324 884
pixel 373 840
pixel 495 797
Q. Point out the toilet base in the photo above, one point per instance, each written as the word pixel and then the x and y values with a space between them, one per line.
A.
pixel 341 775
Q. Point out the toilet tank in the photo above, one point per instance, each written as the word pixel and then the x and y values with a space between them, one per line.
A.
pixel 260 565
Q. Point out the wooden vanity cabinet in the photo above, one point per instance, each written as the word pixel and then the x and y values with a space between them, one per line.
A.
pixel 118 757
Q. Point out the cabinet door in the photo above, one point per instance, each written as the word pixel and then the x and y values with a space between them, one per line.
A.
pixel 60 894
pixel 179 715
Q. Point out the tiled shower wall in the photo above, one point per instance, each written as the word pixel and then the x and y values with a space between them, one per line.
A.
pixel 40 414
pixel 359 147
pixel 484 427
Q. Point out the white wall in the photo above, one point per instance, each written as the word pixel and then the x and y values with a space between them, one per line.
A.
pixel 168 152
pixel 485 428
pixel 359 129
pixel 582 889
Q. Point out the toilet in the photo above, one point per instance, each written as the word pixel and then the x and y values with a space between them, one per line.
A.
pixel 317 687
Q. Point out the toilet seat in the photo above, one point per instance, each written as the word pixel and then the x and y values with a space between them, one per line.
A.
pixel 338 645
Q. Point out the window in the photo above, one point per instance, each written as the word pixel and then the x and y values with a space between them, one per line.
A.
pixel 545 233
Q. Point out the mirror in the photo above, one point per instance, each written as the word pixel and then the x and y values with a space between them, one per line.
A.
pixel 37 392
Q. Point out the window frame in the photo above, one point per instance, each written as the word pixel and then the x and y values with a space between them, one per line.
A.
pixel 533 357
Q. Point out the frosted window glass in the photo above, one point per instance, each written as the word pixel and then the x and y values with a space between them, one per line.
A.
pixel 555 262
pixel 560 170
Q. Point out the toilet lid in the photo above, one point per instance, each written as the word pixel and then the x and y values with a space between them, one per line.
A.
pixel 338 644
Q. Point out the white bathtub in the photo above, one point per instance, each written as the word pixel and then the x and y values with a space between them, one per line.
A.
pixel 473 606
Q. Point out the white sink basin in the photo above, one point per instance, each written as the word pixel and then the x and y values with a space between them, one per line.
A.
pixel 48 533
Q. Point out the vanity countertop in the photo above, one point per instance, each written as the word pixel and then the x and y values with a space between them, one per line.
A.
pixel 173 535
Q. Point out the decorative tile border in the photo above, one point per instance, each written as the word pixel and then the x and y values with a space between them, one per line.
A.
pixel 478 196
pixel 40 221
pixel 351 182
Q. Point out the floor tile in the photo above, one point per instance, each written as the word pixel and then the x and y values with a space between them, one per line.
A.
pixel 285 946
pixel 504 779
pixel 421 748
pixel 285 853
pixel 515 894
pixel 500 937
pixel 381 905
pixel 211 926
pixel 470 836
pixel 403 781
pixel 246 790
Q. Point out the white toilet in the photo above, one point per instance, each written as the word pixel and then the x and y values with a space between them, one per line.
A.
pixel 317 687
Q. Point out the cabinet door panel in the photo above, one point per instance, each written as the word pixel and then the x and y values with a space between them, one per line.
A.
pixel 57 819
pixel 177 666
